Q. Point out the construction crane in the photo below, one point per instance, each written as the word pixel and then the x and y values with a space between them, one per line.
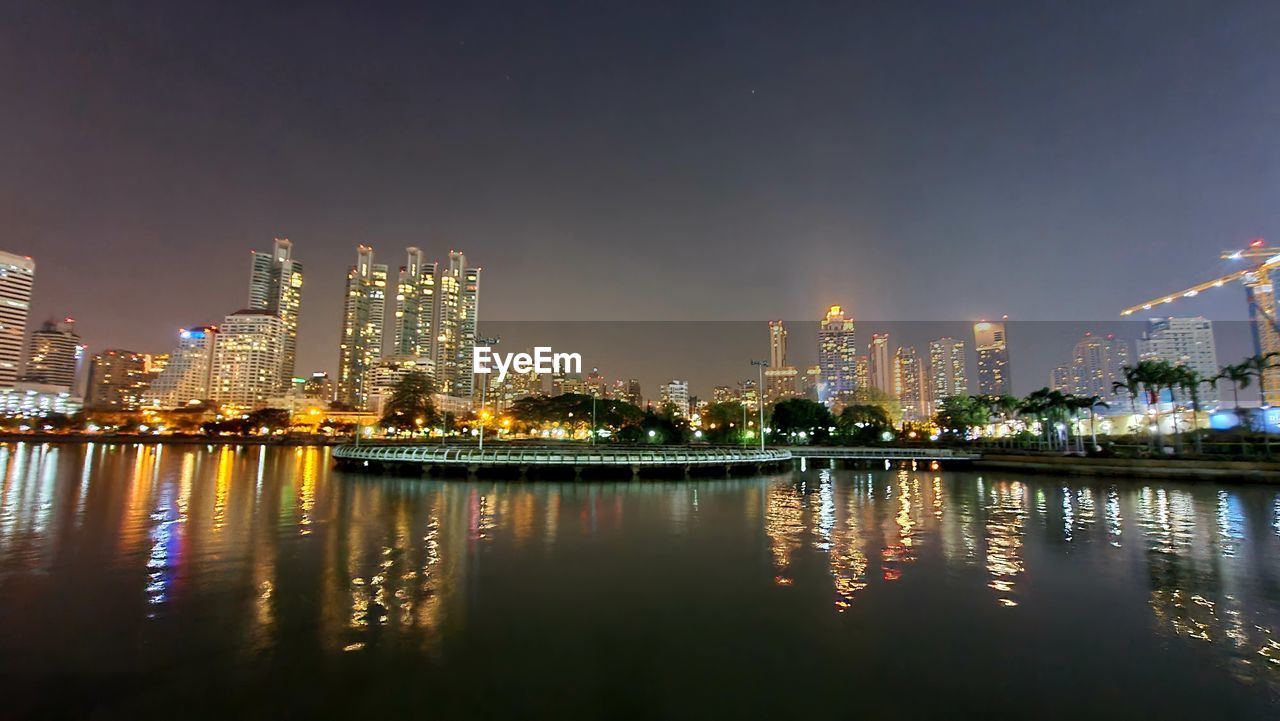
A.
pixel 1258 292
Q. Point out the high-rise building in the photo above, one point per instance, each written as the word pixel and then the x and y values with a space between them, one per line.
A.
pixel 947 376
pixel 363 315
pixel 562 383
pixel 416 307
pixel 837 356
pixel 595 384
pixel 246 359
pixel 781 383
pixel 459 308
pixel 1186 342
pixel 724 394
pixel 1096 363
pixel 777 344
pixel 275 286
pixel 185 378
pixel 628 391
pixel 749 394
pixel 993 358
pixel 880 368
pixel 318 387
pixel 862 372
pixel 17 276
pixel 675 393
pixel 909 384
pixel 118 380
pixel 503 394
pixel 55 355
pixel 381 380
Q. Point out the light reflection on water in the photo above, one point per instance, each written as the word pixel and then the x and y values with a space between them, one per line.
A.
pixel 248 551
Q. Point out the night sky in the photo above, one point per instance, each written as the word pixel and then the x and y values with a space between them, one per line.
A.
pixel 640 160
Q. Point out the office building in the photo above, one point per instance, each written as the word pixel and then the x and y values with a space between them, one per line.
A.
pixel 118 380
pixel 675 393
pixel 837 356
pixel 777 344
pixel 363 314
pixel 17 277
pixel 185 378
pixel 275 286
pixel 459 308
pixel 246 360
pixel 909 385
pixel 880 370
pixel 993 358
pixel 55 355
pixel 1189 342
pixel 318 387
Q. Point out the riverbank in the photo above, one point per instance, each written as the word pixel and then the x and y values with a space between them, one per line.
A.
pixel 1142 468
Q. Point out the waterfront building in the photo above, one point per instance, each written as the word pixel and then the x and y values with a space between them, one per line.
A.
pixel 246 359
pixel 17 276
pixel 185 378
pixel 993 358
pixel 880 370
pixel 909 385
pixel 319 386
pixel 382 378
pixel 562 383
pixel 1188 342
pixel 118 380
pixel 275 286
pixel 1096 363
pixel 415 314
pixel 459 308
pixel 676 394
pixel 837 356
pixel 33 400
pixel 363 313
pixel 947 376
pixel 55 355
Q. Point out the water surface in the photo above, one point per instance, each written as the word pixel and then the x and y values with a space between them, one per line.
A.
pixel 184 581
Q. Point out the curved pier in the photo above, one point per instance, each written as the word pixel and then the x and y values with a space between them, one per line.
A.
pixel 557 460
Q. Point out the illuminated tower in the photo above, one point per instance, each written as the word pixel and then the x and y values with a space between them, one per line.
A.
pixel 777 344
pixel 185 378
pixel 17 275
pixel 54 355
pixel 909 384
pixel 363 314
pixel 993 358
pixel 1184 342
pixel 275 286
pixel 416 307
pixel 246 359
pixel 459 308
pixel 880 370
pixel 837 356
pixel 947 375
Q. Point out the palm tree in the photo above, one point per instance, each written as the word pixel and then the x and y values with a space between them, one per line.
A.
pixel 1082 403
pixel 1257 367
pixel 1240 378
pixel 1131 385
pixel 1190 380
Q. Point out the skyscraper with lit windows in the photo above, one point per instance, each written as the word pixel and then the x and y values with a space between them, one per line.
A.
pixel 880 370
pixel 17 277
pixel 947 376
pixel 363 315
pixel 909 384
pixel 246 359
pixel 993 358
pixel 459 308
pixel 275 286
pixel 54 355
pixel 186 376
pixel 415 315
pixel 837 356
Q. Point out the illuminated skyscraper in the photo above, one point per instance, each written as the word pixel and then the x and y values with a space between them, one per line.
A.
pixel 880 370
pixel 55 355
pixel 17 276
pixel 186 376
pixel 416 307
pixel 318 387
pixel 275 286
pixel 459 308
pixel 909 384
pixel 363 315
pixel 118 381
pixel 1186 342
pixel 993 358
pixel 837 356
pixel 675 393
pixel 1096 363
pixel 595 384
pixel 628 391
pixel 947 375
pixel 777 344
pixel 246 359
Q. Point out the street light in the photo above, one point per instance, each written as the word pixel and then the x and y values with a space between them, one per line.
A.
pixel 760 396
pixel 484 387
